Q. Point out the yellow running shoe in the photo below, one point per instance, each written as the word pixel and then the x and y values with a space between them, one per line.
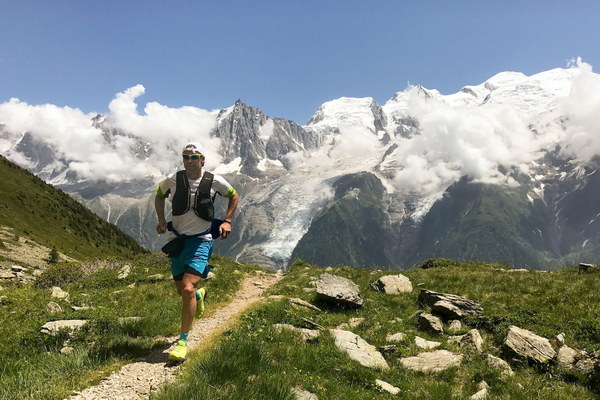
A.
pixel 200 296
pixel 179 351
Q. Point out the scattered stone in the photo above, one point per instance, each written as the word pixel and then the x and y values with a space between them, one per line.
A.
pixel 67 350
pixel 339 290
pixel 387 387
pixel 308 289
pixel 124 272
pixel 212 275
pixel 305 304
pixel 358 349
pixel 426 344
pixel 455 326
pixel 131 286
pixel 390 348
pixel 396 337
pixel 482 393
pixel 308 335
pixel 585 364
pixel 393 284
pixel 499 364
pixel 584 267
pixel 128 320
pixel 52 328
pixel 354 322
pixel 471 340
pixel 58 293
pixel 258 284
pixel 566 357
pixel 17 268
pixel 450 306
pixel 431 323
pixel 304 395
pixel 433 361
pixel 312 323
pixel 156 277
pixel 7 275
pixel 37 272
pixel 54 308
pixel 528 345
pixel 560 338
pixel 115 294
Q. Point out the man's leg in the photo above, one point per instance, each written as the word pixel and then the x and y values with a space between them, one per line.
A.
pixel 188 296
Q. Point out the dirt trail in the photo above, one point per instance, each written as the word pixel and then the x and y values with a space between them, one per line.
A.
pixel 137 380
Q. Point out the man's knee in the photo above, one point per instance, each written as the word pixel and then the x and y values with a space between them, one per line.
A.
pixel 188 290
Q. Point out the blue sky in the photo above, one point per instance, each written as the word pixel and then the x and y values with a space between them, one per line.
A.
pixel 285 57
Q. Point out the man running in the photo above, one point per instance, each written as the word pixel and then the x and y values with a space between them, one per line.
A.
pixel 192 191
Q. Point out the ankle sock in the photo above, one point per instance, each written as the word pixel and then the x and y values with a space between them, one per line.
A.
pixel 198 294
pixel 184 337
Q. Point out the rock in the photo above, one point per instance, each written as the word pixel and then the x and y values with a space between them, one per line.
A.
pixel 124 272
pixel 305 304
pixel 17 268
pixel 455 326
pixel 358 349
pixel 426 344
pixel 585 364
pixel 430 323
pixel 52 328
pixel 54 308
pixel 58 293
pixel 390 348
pixel 499 364
pixel 128 320
pixel 393 284
pixel 156 277
pixel 560 338
pixel 354 322
pixel 37 272
pixel 303 394
pixel 471 340
pixel 451 306
pixel 527 344
pixel 585 267
pixel 82 308
pixel 67 350
pixel 387 387
pixel 482 393
pixel 338 290
pixel 308 335
pixel 116 294
pixel 7 275
pixel 211 275
pixel 566 357
pixel 396 337
pixel 434 361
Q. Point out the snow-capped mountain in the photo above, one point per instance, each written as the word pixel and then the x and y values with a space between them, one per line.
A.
pixel 501 171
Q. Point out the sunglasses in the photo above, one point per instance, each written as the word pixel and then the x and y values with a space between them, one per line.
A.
pixel 192 157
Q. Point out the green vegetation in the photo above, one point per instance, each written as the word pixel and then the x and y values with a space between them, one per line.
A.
pixel 50 217
pixel 254 361
pixel 32 365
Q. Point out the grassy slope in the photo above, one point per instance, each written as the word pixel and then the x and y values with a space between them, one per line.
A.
pixel 50 217
pixel 256 362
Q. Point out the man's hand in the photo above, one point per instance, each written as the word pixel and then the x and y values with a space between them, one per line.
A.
pixel 225 229
pixel 161 227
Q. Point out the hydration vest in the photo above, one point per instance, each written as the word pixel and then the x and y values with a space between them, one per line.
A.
pixel 203 206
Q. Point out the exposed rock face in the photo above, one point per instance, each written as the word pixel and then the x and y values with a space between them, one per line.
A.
pixel 527 344
pixel 450 306
pixel 339 290
pixel 433 361
pixel 358 349
pixel 393 284
pixel 430 323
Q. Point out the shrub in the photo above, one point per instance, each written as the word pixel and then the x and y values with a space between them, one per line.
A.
pixel 53 258
pixel 57 275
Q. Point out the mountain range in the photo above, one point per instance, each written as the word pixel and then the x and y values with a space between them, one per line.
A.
pixel 504 171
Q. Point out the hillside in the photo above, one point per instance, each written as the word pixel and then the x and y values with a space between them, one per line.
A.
pixel 34 211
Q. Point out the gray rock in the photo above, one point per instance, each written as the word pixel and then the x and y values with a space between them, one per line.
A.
pixel 426 344
pixel 67 350
pixel 566 357
pixel 58 293
pixel 528 345
pixel 455 326
pixel 451 306
pixel 82 308
pixel 54 308
pixel 305 304
pixel 430 323
pixel 499 364
pixel 338 290
pixel 393 284
pixel 128 320
pixel 387 387
pixel 124 272
pixel 7 275
pixel 17 268
pixel 585 364
pixel 301 394
pixel 434 361
pixel 52 328
pixel 358 349
pixel 396 337
pixel 471 340
pixel 308 335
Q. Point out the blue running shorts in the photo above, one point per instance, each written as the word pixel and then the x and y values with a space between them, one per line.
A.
pixel 192 259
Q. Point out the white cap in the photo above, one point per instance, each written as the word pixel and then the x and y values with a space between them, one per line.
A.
pixel 194 147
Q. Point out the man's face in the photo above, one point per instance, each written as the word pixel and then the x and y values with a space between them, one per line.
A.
pixel 192 161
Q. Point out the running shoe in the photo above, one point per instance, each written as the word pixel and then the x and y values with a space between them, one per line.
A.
pixel 179 351
pixel 200 297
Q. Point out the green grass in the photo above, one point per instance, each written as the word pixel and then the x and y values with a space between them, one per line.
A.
pixel 254 361
pixel 32 366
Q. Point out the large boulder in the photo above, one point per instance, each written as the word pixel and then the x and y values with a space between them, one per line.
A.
pixel 358 349
pixel 339 290
pixel 393 284
pixel 450 306
pixel 433 361
pixel 528 345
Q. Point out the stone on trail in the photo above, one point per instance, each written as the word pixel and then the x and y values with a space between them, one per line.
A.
pixel 527 344
pixel 434 361
pixel 393 284
pixel 358 349
pixel 339 290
